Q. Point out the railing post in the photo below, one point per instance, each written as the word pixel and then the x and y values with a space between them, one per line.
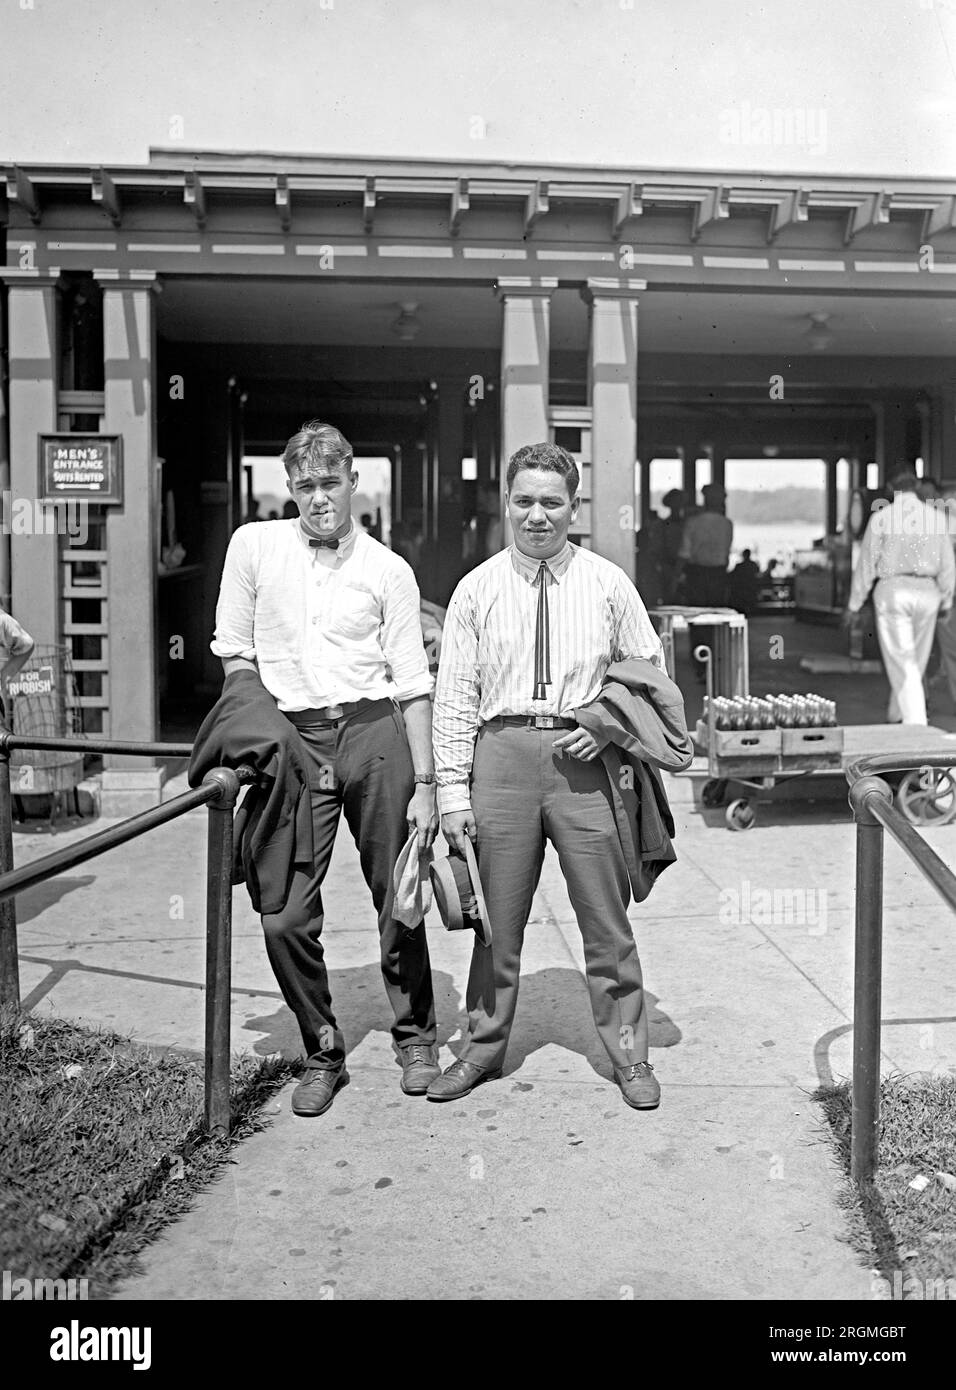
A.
pixel 867 981
pixel 219 947
pixel 9 963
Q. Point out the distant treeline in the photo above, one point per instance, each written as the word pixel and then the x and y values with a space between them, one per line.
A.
pixel 766 505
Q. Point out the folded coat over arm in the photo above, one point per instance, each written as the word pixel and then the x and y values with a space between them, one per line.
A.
pixel 273 825
pixel 638 719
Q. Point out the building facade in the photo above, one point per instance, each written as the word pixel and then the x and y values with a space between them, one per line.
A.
pixel 199 307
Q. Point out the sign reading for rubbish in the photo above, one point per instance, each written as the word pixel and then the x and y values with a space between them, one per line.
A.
pixel 38 682
pixel 81 465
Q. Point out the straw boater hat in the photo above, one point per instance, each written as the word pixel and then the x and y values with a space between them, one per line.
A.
pixel 458 893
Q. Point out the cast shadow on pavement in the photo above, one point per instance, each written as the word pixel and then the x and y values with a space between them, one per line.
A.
pixel 553 1008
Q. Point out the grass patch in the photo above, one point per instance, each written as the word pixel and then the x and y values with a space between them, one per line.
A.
pixel 102 1145
pixel 908 1235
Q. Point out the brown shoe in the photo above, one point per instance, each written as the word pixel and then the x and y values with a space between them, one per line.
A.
pixel 458 1079
pixel 316 1091
pixel 639 1086
pixel 419 1067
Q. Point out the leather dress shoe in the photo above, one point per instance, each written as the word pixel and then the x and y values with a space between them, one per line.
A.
pixel 639 1086
pixel 316 1091
pixel 419 1067
pixel 458 1079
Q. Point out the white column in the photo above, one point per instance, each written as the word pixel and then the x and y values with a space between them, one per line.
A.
pixel 34 367
pixel 129 345
pixel 612 394
pixel 525 374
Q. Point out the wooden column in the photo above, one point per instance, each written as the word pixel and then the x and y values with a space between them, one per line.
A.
pixel 689 474
pixel 645 498
pixel 451 443
pixel 831 500
pixel 940 458
pixel 892 420
pixel 612 395
pixel 129 345
pixel 525 367
pixel 34 362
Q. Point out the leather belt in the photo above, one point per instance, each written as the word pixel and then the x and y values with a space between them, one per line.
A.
pixel 329 716
pixel 533 721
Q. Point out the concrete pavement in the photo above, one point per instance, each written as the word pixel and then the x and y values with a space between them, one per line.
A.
pixel 543 1184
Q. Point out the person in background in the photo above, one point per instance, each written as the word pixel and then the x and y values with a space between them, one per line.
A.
pixel 649 571
pixel 365 521
pixel 16 648
pixel 946 623
pixel 928 489
pixel 676 503
pixel 705 551
pixel 906 554
pixel 744 582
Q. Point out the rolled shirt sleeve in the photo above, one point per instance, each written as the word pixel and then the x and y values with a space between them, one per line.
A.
pixel 236 607
pixel 402 640
pixel 14 639
pixel 457 696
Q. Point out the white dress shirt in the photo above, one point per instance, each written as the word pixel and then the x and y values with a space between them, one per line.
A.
pixel 595 617
pixel 325 627
pixel 904 537
pixel 707 539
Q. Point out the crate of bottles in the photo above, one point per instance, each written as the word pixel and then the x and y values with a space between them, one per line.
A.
pixel 774 732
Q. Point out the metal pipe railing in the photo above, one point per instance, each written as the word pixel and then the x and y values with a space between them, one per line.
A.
pixel 872 801
pixel 10 741
pixel 218 793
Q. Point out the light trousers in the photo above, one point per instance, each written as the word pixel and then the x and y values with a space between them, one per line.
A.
pixel 523 792
pixel 906 609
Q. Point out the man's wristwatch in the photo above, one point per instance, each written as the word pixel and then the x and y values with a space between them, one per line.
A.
pixel 426 779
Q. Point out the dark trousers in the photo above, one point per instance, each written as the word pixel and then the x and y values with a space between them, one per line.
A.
pixel 363 767
pixel 523 792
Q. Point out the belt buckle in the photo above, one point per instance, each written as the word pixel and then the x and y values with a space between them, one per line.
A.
pixel 543 721
pixel 334 712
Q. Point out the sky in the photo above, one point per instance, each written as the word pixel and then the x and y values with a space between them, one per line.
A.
pixel 859 86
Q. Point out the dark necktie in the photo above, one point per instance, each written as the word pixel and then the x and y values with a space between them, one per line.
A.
pixel 542 637
pixel 324 545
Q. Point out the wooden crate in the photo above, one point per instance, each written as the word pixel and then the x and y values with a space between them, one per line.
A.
pixel 812 748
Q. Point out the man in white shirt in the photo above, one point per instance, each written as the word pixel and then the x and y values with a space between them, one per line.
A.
pixel 528 637
pixel 329 618
pixel 705 551
pixel 907 554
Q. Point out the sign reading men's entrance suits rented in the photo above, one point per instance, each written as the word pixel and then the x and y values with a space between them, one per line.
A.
pixel 81 465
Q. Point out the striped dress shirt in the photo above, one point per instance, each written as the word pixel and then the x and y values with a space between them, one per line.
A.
pixel 487 659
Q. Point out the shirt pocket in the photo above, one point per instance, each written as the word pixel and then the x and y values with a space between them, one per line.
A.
pixel 351 611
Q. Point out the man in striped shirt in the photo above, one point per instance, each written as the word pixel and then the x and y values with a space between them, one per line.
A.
pixel 528 638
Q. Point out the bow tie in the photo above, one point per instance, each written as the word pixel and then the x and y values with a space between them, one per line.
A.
pixel 324 545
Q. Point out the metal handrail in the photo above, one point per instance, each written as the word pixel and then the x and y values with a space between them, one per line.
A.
pixel 872 801
pixel 10 741
pixel 218 793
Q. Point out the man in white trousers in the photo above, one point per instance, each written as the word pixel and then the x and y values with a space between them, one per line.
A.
pixel 907 554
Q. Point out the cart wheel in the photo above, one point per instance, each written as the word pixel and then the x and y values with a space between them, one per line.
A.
pixel 927 796
pixel 714 791
pixel 740 815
